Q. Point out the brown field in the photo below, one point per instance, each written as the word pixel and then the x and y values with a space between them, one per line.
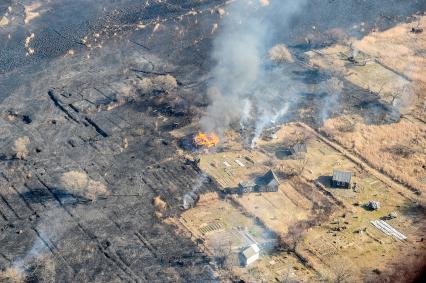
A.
pixel 389 63
pixel 318 225
pixel 397 149
pixel 223 227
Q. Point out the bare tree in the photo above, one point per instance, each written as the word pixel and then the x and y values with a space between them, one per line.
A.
pixel 294 235
pixel 301 165
pixel 342 271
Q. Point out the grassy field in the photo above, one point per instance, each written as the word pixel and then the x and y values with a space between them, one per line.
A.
pixel 331 219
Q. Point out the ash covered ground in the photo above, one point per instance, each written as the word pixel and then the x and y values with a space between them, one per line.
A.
pixel 89 93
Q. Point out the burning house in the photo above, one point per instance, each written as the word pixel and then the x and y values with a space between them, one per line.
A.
pixel 341 179
pixel 266 183
pixel 206 140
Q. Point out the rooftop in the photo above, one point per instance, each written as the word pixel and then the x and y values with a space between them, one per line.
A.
pixel 267 178
pixel 342 176
pixel 251 251
pixel 299 148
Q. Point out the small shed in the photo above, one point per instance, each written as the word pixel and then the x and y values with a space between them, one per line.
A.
pixel 341 179
pixel 250 254
pixel 267 183
pixel 246 187
pixel 295 151
pixel 298 148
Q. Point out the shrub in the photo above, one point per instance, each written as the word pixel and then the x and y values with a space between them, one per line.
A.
pixel 164 83
pixel 280 54
pixel 78 182
pixel 20 147
pixel 11 275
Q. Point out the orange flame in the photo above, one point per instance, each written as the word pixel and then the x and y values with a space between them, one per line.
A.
pixel 206 140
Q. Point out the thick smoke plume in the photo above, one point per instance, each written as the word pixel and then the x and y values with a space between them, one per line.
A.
pixel 247 86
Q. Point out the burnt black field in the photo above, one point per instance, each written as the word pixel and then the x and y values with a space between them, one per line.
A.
pixel 59 100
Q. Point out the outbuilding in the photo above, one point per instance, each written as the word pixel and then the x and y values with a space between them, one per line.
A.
pixel 341 179
pixel 267 183
pixel 250 254
pixel 299 149
pixel 246 187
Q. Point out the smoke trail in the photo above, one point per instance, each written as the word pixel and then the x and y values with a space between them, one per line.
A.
pixel 191 197
pixel 51 228
pixel 244 83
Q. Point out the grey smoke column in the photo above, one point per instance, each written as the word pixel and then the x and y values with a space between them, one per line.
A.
pixel 238 85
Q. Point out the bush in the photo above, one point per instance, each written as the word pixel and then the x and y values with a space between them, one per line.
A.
pixel 164 83
pixel 20 147
pixel 146 85
pixel 280 54
pixel 42 270
pixel 78 182
pixel 11 275
pixel 401 150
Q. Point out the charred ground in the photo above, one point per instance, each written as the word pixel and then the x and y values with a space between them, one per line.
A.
pixel 85 111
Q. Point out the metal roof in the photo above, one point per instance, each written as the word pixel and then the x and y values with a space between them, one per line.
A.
pixel 342 176
pixel 247 184
pixel 251 251
pixel 300 148
pixel 267 178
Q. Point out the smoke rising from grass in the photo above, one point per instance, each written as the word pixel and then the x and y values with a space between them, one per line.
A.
pixel 244 84
pixel 51 228
pixel 190 198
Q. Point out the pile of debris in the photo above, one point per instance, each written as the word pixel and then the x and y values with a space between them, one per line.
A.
pixel 373 205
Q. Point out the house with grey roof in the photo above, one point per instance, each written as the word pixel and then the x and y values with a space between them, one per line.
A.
pixel 341 179
pixel 266 183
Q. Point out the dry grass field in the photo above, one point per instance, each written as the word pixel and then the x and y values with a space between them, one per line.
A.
pixel 322 226
pixel 389 63
pixel 397 149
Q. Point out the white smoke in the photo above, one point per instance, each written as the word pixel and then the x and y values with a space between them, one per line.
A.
pixel 51 228
pixel 190 198
pixel 246 87
pixel 267 120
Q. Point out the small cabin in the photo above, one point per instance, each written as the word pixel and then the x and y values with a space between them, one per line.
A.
pixel 246 187
pixel 250 254
pixel 341 179
pixel 267 183
pixel 298 149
